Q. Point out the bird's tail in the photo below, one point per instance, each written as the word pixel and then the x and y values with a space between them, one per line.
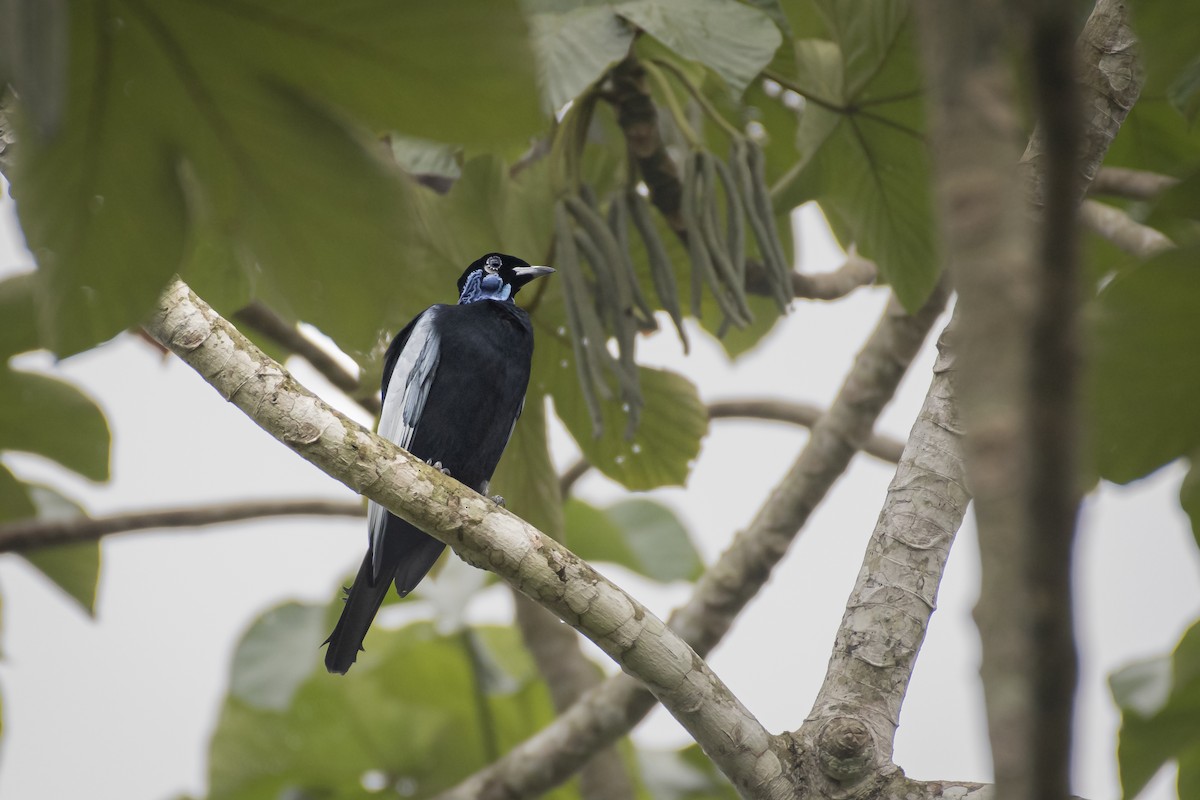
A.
pixel 363 599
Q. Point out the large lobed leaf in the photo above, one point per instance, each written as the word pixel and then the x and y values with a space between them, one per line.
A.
pixel 862 143
pixel 660 452
pixel 226 125
pixel 731 38
pixel 574 47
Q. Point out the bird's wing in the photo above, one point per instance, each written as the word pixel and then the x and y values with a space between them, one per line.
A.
pixel 408 373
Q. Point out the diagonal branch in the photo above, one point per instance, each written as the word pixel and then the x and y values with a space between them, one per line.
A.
pixel 1135 184
pixel 607 712
pixel 33 533
pixel 483 534
pixel 857 710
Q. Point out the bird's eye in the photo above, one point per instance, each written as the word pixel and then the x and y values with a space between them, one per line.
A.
pixel 492 264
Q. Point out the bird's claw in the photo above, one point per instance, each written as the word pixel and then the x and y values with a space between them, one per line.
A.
pixel 437 465
pixel 498 500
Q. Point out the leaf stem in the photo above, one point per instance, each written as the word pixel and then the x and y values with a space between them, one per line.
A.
pixel 672 103
pixel 791 85
pixel 705 104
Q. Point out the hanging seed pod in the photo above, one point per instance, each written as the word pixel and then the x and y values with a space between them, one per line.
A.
pixel 618 225
pixel 778 263
pixel 718 246
pixel 591 379
pixel 697 254
pixel 624 368
pixel 661 272
pixel 735 233
pixel 614 295
pixel 695 216
pixel 758 223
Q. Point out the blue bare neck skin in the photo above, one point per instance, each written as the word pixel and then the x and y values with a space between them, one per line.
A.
pixel 484 286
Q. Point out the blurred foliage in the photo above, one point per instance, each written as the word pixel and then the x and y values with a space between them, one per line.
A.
pixel 1160 704
pixel 267 151
pixel 638 534
pixel 1145 375
pixel 421 710
pixel 53 419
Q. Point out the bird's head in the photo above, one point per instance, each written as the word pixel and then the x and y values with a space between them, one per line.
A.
pixel 496 276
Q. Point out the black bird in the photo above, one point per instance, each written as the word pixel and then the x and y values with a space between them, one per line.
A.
pixel 454 384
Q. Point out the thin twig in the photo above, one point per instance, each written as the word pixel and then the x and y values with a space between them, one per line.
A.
pixel 261 318
pixel 882 447
pixel 1136 184
pixel 32 533
pixel 1122 230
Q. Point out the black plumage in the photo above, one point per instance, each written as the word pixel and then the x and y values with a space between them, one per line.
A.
pixel 454 383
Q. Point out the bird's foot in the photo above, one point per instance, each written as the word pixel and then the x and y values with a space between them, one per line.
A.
pixel 498 500
pixel 437 465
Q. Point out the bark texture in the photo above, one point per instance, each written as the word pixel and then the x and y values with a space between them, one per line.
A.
pixel 481 533
pixel 1017 337
pixel 848 736
pixel 608 711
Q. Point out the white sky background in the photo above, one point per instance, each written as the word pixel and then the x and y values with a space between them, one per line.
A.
pixel 121 707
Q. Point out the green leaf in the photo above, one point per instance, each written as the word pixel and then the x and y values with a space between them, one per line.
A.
pixel 1160 714
pixel 1145 375
pixel 15 502
pixel 673 421
pixel 408 713
pixel 642 535
pixel 276 655
pixel 486 210
pixel 866 33
pixel 1189 497
pixel 574 48
pixel 1176 212
pixel 1184 92
pixel 18 334
pixel 861 140
pixel 254 101
pixel 423 157
pixel 43 415
pixel 734 40
pixel 75 568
